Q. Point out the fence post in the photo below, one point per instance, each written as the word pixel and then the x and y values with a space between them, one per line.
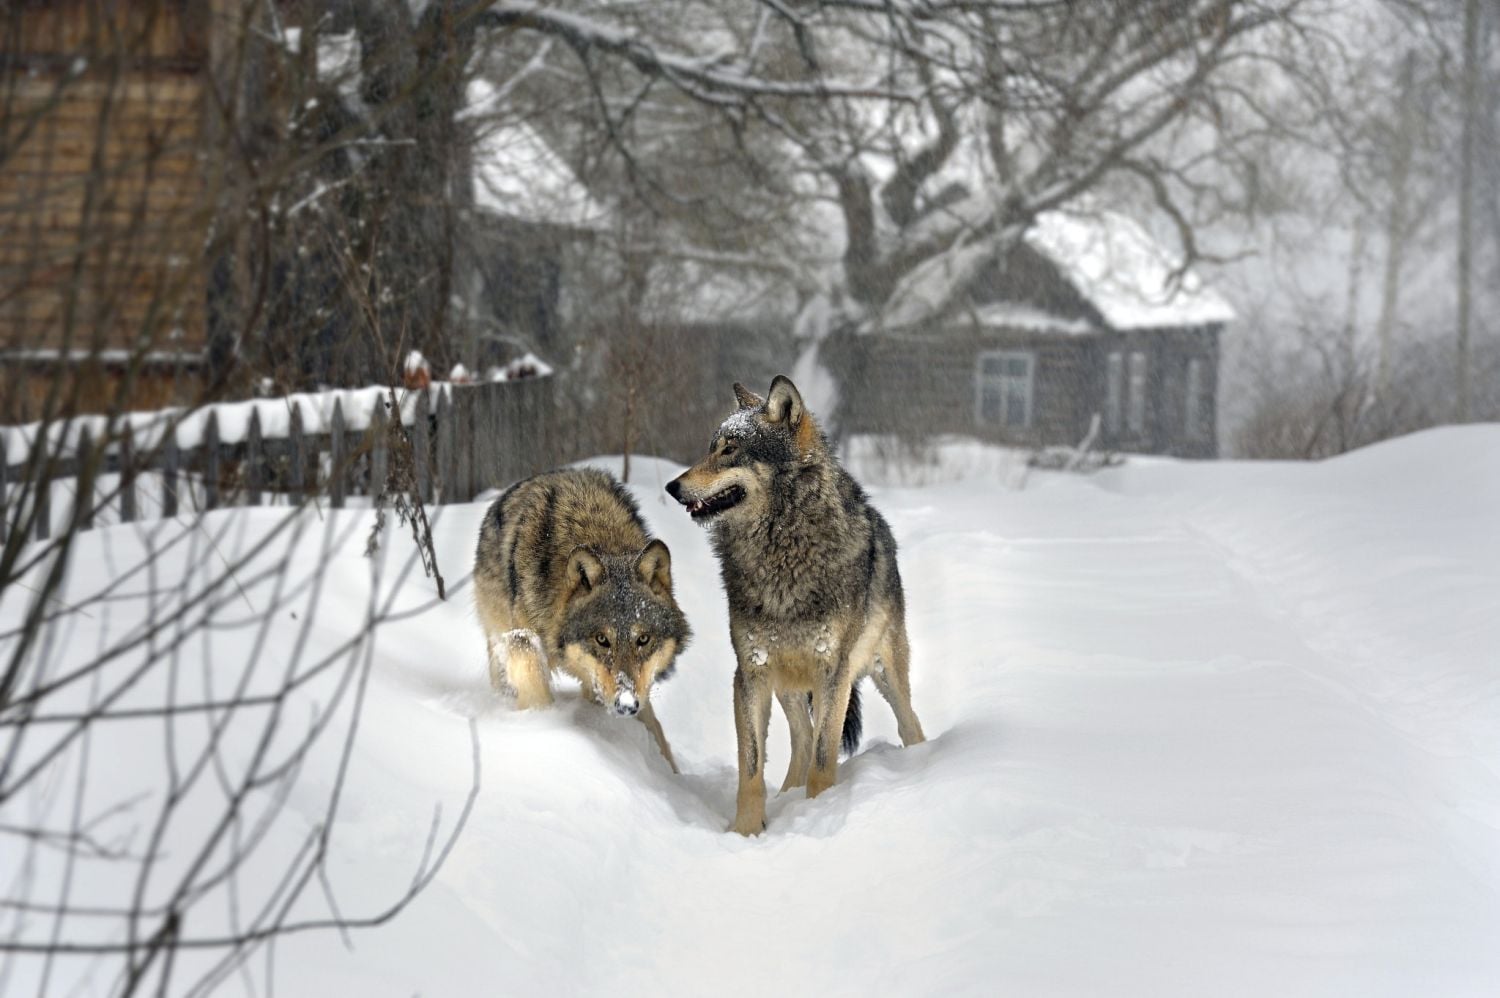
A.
pixel 378 461
pixel 43 502
pixel 254 460
pixel 296 455
pixel 83 497
pixel 421 446
pixel 487 450
pixel 503 432
pixel 127 474
pixel 4 474
pixel 337 457
pixel 447 461
pixel 462 443
pixel 210 461
pixel 545 414
pixel 169 460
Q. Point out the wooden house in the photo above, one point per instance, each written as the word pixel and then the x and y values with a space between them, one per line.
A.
pixel 102 207
pixel 1085 316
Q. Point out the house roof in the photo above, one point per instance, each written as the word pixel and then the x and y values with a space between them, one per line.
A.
pixel 1119 269
pixel 519 176
pixel 1129 279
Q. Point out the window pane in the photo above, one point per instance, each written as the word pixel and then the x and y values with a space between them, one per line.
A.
pixel 1015 409
pixel 992 364
pixel 1018 367
pixel 989 404
pixel 1194 421
pixel 1114 376
pixel 1135 411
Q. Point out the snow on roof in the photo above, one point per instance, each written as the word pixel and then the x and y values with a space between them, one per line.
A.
pixel 1017 315
pixel 1108 258
pixel 929 286
pixel 516 173
pixel 1124 273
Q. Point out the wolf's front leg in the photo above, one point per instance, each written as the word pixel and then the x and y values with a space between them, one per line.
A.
pixel 648 718
pixel 794 706
pixel 752 715
pixel 830 704
pixel 525 664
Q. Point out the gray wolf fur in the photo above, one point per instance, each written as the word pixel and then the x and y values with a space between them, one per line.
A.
pixel 566 578
pixel 815 601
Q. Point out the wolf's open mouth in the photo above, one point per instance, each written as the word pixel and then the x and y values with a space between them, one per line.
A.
pixel 699 509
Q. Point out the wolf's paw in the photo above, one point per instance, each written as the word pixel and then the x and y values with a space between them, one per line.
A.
pixel 817 783
pixel 748 826
pixel 533 699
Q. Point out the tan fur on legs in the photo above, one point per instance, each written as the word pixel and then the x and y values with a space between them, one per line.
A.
pixel 752 715
pixel 794 706
pixel 893 680
pixel 830 704
pixel 498 681
pixel 648 718
pixel 526 671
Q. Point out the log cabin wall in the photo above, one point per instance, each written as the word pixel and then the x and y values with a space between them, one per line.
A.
pixel 102 207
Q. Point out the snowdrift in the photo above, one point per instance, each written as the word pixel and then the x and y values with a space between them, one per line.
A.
pixel 1222 729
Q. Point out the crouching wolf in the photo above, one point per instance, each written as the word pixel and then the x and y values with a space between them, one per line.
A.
pixel 815 599
pixel 566 578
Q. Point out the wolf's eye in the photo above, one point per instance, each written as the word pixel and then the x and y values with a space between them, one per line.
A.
pixel 730 447
pixel 602 639
pixel 643 640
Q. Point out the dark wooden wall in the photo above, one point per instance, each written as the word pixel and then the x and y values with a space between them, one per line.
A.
pixel 101 220
pixel 918 387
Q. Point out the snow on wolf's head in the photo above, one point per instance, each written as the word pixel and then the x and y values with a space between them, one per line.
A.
pixel 764 442
pixel 621 625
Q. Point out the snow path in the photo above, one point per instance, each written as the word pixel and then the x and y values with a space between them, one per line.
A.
pixel 1195 729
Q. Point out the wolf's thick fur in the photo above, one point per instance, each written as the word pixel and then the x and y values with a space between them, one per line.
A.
pixel 565 577
pixel 815 600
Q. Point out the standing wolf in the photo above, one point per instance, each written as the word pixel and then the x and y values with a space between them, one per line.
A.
pixel 815 600
pixel 565 577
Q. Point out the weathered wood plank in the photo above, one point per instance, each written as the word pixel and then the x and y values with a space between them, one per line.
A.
pixel 128 476
pixel 209 461
pixel 4 507
pixel 421 446
pixel 296 456
pixel 83 495
pixel 43 503
pixel 338 457
pixel 379 451
pixel 511 460
pixel 170 458
pixel 255 461
pixel 447 464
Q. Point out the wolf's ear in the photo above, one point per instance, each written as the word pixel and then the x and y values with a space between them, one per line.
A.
pixel 584 571
pixel 784 402
pixel 654 566
pixel 746 398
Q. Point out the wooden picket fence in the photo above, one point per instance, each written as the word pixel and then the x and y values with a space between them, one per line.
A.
pixel 474 437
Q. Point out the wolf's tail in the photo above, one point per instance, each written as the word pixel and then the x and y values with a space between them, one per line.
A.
pixel 853 723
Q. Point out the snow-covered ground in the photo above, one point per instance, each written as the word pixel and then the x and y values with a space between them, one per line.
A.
pixel 1195 729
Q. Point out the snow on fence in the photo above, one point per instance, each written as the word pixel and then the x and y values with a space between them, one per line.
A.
pixel 466 438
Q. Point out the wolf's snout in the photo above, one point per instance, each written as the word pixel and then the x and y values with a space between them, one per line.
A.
pixel 626 704
pixel 674 489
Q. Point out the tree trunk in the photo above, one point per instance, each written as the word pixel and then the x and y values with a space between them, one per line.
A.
pixel 1395 233
pixel 1466 201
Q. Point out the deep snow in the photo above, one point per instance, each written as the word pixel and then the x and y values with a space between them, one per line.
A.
pixel 1224 729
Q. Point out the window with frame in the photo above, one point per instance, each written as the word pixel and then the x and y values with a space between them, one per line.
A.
pixel 1195 421
pixel 1114 390
pixel 1004 383
pixel 1135 401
